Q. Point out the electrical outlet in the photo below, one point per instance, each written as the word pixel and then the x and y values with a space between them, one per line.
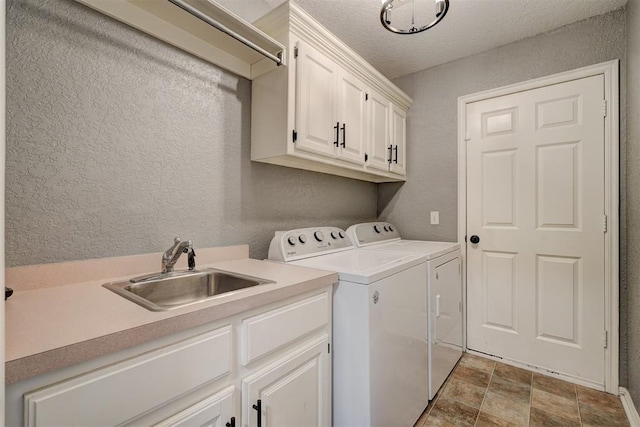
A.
pixel 435 217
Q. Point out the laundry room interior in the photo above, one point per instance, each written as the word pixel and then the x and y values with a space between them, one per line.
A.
pixel 273 212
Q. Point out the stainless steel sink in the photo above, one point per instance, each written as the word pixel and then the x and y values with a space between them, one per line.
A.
pixel 181 288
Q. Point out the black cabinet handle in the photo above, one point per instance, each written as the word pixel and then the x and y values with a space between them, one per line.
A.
pixel 395 160
pixel 258 408
pixel 232 422
pixel 390 153
pixel 344 135
pixel 337 128
pixel 475 239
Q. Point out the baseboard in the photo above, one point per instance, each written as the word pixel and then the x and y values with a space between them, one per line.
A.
pixel 629 408
pixel 542 371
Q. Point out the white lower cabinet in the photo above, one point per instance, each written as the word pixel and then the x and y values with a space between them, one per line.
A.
pixel 211 375
pixel 294 391
pixel 215 411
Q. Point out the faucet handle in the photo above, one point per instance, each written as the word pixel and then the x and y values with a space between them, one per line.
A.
pixel 169 252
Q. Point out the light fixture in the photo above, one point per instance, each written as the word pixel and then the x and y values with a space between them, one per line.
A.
pixel 405 13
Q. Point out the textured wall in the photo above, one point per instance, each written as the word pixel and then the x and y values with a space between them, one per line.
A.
pixel 432 128
pixel 633 199
pixel 117 142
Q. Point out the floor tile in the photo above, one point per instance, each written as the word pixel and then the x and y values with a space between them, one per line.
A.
pixel 541 418
pixel 554 386
pixel 592 416
pixel 466 393
pixel 512 373
pixel 477 362
pixel 599 400
pixel 437 422
pixel 451 411
pixel 517 413
pixel 555 404
pixel 489 420
pixel 471 376
pixel 512 390
pixel 484 393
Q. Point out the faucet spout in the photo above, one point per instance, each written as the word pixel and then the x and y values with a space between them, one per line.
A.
pixel 171 255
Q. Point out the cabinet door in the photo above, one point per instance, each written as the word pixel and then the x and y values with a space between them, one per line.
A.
pixel 294 391
pixel 215 411
pixel 398 140
pixel 316 115
pixel 351 115
pixel 378 131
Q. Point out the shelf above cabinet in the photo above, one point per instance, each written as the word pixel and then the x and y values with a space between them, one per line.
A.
pixel 171 24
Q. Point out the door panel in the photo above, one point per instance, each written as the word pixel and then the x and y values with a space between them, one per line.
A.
pixel 398 140
pixel 316 115
pixel 535 197
pixel 352 115
pixel 379 132
pixel 558 180
pixel 294 391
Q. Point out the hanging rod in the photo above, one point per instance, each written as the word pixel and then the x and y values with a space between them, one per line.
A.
pixel 205 18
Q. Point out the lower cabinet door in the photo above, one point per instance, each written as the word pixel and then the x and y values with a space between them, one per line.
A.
pixel 215 411
pixel 293 391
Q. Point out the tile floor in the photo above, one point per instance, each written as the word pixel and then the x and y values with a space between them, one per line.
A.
pixel 481 392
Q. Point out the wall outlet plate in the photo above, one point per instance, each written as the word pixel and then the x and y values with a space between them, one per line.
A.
pixel 435 217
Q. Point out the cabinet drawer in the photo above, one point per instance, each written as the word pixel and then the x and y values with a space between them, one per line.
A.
pixel 216 410
pixel 117 393
pixel 276 328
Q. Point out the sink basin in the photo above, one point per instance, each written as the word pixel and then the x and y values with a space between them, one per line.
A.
pixel 178 289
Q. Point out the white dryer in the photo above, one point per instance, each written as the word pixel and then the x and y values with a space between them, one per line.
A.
pixel 379 325
pixel 444 292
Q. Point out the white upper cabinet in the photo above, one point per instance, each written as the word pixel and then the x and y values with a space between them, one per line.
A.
pixel 330 107
pixel 316 119
pixel 378 131
pixel 352 94
pixel 398 141
pixel 328 110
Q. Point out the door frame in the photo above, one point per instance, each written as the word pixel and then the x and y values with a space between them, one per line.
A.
pixel 610 71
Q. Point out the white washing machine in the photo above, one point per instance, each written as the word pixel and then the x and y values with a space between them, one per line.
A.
pixel 379 325
pixel 444 292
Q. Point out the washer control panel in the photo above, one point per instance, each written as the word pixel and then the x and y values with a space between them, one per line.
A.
pixel 307 242
pixel 369 233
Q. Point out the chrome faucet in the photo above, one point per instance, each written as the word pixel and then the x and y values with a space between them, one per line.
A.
pixel 171 255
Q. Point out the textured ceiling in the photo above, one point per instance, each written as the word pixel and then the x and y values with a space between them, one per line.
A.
pixel 471 26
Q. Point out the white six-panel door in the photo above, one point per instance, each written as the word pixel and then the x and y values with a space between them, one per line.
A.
pixel 535 200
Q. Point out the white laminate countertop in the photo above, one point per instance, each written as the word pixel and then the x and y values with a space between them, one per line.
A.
pixel 49 328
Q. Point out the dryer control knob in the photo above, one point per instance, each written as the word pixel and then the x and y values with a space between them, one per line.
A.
pixel 390 227
pixel 376 228
pixel 319 236
pixel 341 234
pixel 302 238
pixel 291 240
pixel 334 235
pixel 386 228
